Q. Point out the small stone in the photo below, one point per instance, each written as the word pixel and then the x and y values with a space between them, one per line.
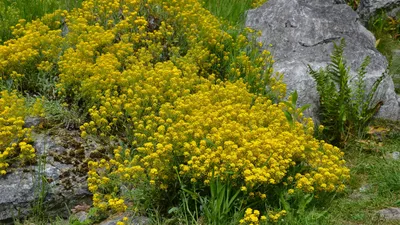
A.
pixel 81 216
pixel 391 213
pixel 43 143
pixel 32 122
pixel 364 188
pixel 395 155
pixel 396 52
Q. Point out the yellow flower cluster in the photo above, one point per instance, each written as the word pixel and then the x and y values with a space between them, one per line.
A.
pixel 181 93
pixel 225 131
pixel 108 202
pixel 14 138
pixel 123 222
pixel 274 217
pixel 36 44
pixel 103 48
pixel 252 217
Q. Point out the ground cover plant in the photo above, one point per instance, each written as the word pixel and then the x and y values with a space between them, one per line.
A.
pixel 15 140
pixel 12 11
pixel 184 97
pixel 232 12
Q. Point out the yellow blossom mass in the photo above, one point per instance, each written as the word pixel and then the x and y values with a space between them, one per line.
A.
pixel 14 137
pixel 184 94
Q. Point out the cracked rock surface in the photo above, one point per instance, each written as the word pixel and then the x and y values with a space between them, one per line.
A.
pixel 64 157
pixel 302 32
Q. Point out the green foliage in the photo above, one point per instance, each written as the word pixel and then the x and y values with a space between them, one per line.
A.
pixel 229 10
pixel 58 114
pixel 386 30
pixel 353 3
pixel 214 207
pixel 374 182
pixel 220 206
pixel 297 206
pixel 41 190
pixel 233 11
pixel 394 70
pixel 387 33
pixel 293 113
pixel 345 112
pixel 387 176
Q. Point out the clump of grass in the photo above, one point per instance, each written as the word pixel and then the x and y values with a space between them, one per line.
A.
pixel 59 114
pixel 232 11
pixel 387 33
pixel 374 183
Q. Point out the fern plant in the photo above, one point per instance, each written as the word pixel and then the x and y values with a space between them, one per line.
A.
pixel 345 112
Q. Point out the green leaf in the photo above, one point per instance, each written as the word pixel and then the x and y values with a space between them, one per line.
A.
pixel 289 117
pixel 294 98
pixel 304 107
pixel 288 104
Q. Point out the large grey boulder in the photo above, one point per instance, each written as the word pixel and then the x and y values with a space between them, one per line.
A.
pixel 302 33
pixel 369 8
pixel 58 180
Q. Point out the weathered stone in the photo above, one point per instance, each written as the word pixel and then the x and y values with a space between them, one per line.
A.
pixel 62 164
pixel 365 188
pixel 32 122
pixel 16 194
pixel 81 216
pixel 394 13
pixel 393 155
pixel 369 8
pixel 390 213
pixel 302 33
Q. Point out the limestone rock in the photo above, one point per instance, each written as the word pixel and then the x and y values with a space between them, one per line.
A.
pixel 390 213
pixel 63 163
pixel 81 216
pixel 302 33
pixel 32 121
pixel 369 8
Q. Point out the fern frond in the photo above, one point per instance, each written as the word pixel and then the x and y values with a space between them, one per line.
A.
pixel 344 114
pixel 359 92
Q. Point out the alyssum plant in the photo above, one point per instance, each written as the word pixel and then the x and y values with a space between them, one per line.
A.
pixel 345 112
